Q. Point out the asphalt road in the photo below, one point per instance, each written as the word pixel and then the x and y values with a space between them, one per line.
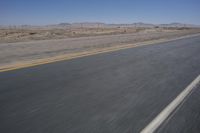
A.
pixel 116 92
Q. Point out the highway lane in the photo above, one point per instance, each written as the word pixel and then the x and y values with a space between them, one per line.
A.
pixel 118 92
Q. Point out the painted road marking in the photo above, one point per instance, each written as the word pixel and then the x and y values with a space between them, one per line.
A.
pixel 160 118
pixel 43 61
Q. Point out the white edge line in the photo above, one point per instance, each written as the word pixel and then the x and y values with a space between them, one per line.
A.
pixel 160 118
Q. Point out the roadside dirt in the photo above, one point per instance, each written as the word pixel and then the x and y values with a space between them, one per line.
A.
pixel 11 53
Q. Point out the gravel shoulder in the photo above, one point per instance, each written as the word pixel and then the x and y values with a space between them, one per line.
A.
pixel 11 53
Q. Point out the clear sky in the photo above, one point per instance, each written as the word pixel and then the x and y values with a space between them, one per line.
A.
pixel 41 12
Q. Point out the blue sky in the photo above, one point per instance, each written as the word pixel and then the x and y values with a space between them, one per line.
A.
pixel 41 12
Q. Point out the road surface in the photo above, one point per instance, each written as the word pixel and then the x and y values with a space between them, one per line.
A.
pixel 115 92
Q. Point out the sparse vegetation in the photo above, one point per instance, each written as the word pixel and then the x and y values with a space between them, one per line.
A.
pixel 27 34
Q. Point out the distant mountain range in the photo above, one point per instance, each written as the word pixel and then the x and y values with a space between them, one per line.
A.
pixel 102 25
pixel 140 24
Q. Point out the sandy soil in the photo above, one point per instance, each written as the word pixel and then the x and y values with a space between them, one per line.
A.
pixel 19 35
pixel 29 34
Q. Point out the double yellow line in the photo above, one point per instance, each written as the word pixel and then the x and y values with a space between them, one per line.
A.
pixel 37 62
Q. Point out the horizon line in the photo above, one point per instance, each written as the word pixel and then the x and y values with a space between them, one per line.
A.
pixel 93 22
